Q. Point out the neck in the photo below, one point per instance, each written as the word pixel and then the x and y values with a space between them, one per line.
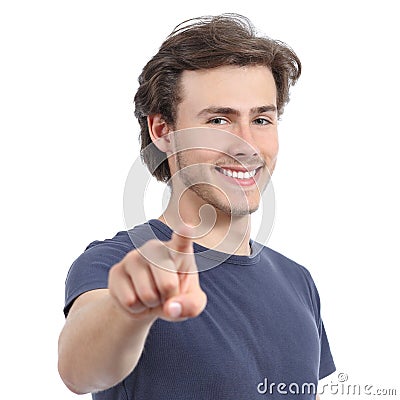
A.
pixel 213 228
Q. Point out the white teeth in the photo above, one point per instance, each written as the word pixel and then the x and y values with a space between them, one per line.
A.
pixel 238 175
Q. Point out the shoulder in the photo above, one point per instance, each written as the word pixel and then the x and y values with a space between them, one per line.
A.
pixel 295 274
pixel 111 250
pixel 121 243
pixel 90 269
pixel 285 264
pixel 104 252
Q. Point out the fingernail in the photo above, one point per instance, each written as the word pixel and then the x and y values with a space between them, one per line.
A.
pixel 175 309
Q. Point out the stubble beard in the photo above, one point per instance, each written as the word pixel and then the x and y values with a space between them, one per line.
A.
pixel 207 192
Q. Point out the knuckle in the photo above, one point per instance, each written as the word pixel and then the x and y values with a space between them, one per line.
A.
pixel 129 301
pixel 132 303
pixel 169 266
pixel 113 276
pixel 131 257
pixel 149 297
pixel 116 268
pixel 152 245
pixel 153 252
pixel 169 286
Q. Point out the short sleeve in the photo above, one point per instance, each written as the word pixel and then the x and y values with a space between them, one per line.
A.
pixel 326 364
pixel 90 270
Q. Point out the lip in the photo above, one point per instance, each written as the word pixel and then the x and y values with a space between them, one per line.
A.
pixel 236 181
pixel 240 168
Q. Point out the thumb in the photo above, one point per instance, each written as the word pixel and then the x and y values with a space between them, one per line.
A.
pixel 186 305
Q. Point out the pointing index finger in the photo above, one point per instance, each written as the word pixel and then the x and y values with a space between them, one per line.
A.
pixel 181 249
pixel 181 240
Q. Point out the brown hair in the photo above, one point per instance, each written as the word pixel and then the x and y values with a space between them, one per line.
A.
pixel 204 43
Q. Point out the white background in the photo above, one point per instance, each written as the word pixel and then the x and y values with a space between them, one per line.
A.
pixel 68 75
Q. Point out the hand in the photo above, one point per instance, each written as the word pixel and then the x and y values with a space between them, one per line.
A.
pixel 160 279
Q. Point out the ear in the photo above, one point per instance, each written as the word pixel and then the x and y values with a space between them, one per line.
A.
pixel 159 132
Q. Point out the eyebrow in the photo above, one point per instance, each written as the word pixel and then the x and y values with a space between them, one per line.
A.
pixel 232 111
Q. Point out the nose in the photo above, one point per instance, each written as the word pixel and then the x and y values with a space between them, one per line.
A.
pixel 242 143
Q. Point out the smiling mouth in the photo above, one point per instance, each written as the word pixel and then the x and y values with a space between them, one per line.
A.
pixel 246 174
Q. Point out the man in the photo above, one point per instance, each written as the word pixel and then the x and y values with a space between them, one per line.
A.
pixel 187 306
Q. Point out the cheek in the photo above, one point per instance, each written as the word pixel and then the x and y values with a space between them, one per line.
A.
pixel 202 156
pixel 269 147
pixel 276 146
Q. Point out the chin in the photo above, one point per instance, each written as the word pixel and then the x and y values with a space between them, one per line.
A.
pixel 236 211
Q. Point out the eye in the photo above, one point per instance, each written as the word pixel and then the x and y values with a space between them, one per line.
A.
pixel 217 121
pixel 262 121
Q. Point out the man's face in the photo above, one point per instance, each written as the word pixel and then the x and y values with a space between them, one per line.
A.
pixel 242 102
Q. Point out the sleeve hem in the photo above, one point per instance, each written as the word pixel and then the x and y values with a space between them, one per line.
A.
pixel 326 370
pixel 83 289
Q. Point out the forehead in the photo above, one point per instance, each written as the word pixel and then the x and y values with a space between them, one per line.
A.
pixel 233 86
